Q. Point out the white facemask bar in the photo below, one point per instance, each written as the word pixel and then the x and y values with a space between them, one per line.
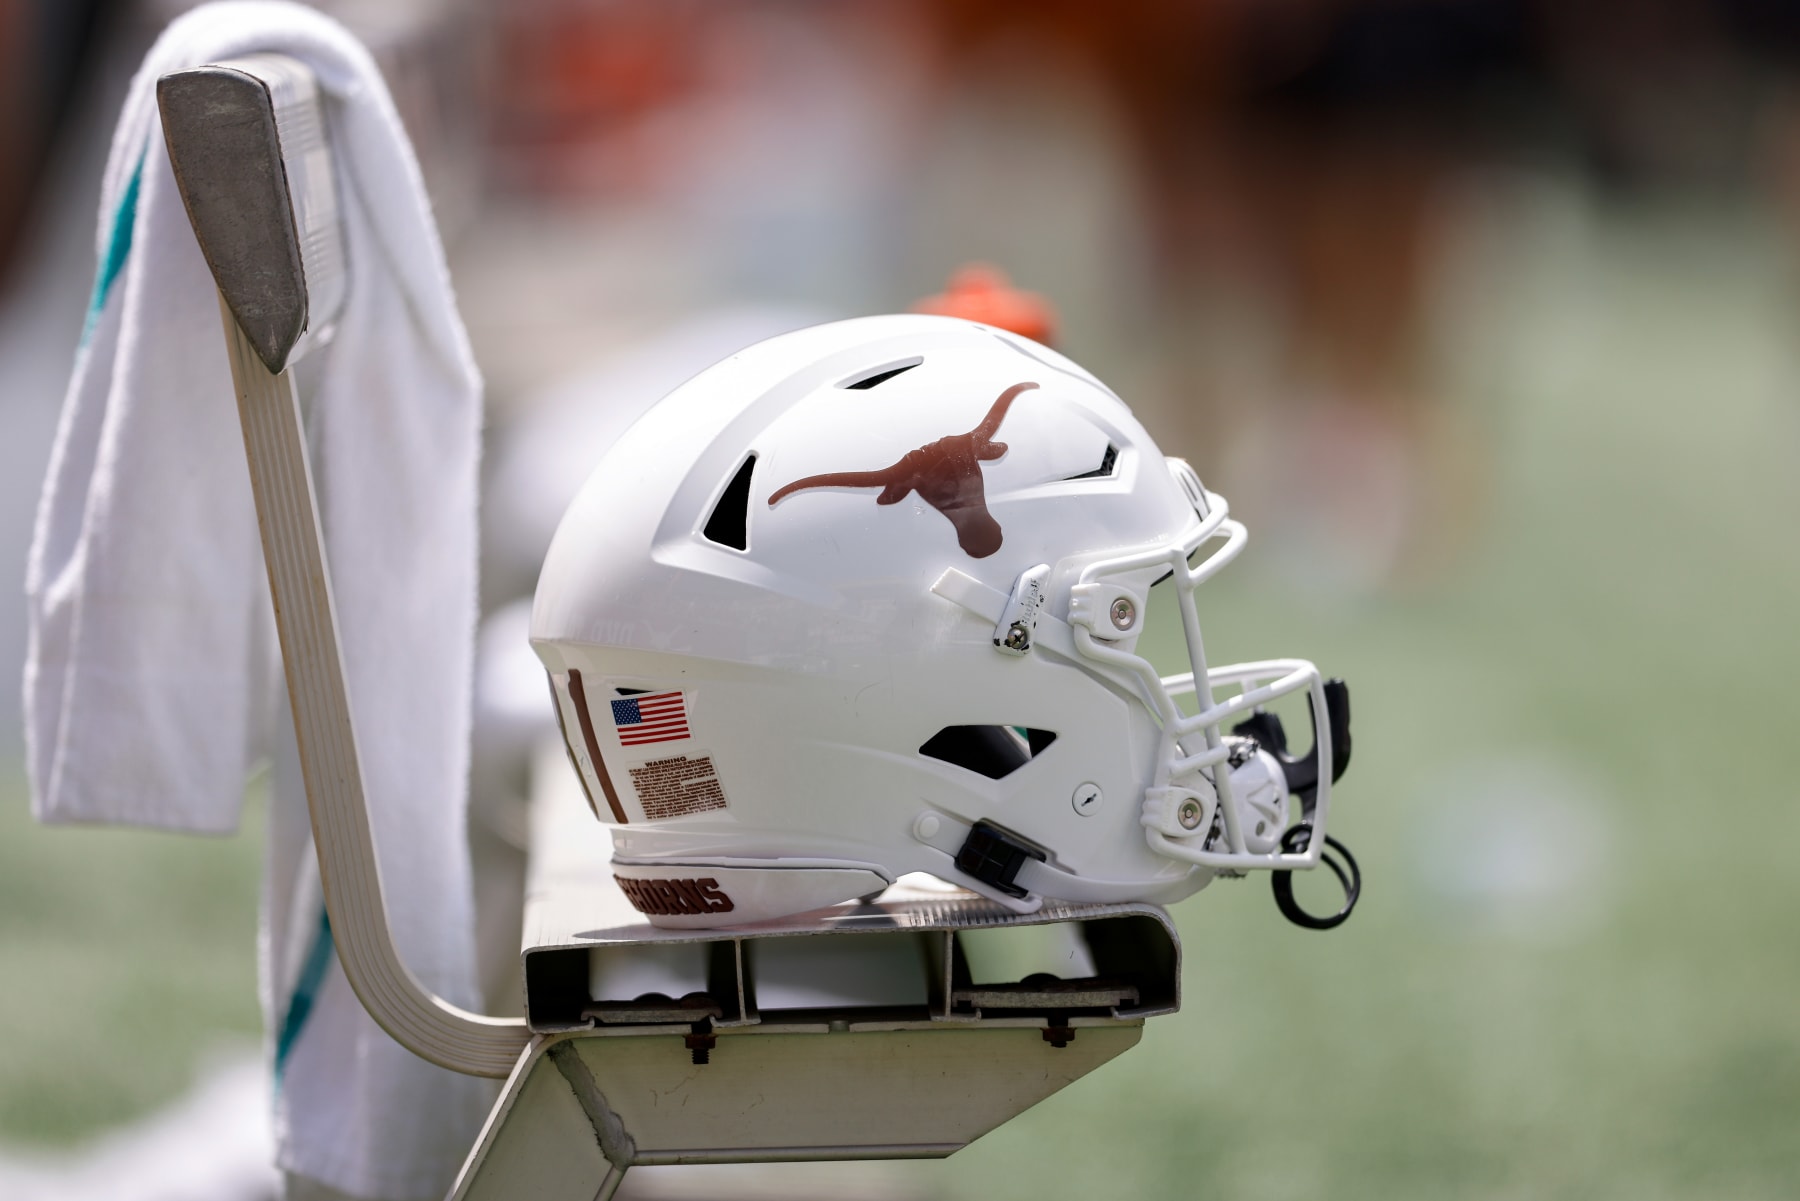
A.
pixel 1258 683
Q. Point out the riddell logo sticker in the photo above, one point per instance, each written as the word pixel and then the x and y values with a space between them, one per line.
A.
pixel 946 474
pixel 667 898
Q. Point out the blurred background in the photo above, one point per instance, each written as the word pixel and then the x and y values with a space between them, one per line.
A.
pixel 1482 313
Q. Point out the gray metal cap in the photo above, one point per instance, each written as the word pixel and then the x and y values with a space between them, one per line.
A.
pixel 247 141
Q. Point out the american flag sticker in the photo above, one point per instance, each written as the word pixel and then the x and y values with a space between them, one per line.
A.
pixel 652 717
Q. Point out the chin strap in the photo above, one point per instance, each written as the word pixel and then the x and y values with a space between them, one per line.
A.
pixel 1349 875
pixel 1302 775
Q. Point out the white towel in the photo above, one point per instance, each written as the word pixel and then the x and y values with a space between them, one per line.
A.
pixel 152 681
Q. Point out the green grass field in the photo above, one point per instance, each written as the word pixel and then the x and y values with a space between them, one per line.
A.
pixel 1574 973
pixel 126 959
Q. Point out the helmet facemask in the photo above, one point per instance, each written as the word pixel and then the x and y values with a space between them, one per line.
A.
pixel 1231 819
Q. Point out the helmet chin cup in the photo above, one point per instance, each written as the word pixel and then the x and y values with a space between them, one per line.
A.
pixel 1253 791
pixel 1261 792
pixel 1191 814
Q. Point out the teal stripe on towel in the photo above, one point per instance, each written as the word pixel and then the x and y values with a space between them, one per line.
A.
pixel 306 991
pixel 118 245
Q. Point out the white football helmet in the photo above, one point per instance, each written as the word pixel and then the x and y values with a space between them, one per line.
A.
pixel 865 599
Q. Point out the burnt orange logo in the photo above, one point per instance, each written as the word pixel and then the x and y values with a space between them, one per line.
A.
pixel 946 474
pixel 665 898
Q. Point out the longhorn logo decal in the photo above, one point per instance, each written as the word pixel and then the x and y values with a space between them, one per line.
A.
pixel 946 474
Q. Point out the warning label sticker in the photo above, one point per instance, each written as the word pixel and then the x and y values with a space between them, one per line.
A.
pixel 678 786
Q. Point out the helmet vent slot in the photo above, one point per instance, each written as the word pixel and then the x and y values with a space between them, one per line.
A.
pixel 1108 461
pixel 992 751
pixel 729 524
pixel 864 380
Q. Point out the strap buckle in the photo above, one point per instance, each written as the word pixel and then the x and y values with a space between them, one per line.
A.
pixel 994 855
